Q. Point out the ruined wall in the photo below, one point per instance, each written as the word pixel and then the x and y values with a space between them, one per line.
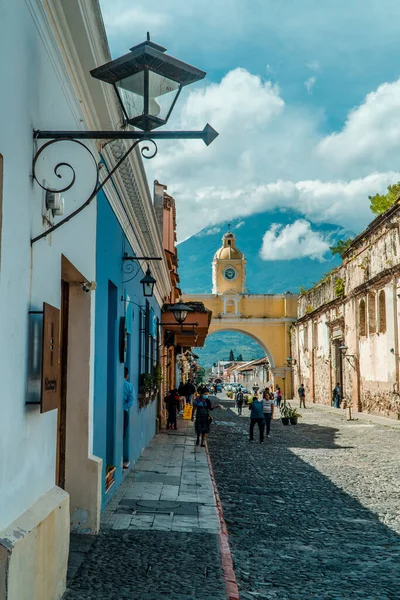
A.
pixel 356 308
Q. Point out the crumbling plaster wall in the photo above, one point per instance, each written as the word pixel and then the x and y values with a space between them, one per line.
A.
pixel 370 364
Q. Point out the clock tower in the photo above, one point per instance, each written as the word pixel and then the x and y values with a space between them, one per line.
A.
pixel 229 268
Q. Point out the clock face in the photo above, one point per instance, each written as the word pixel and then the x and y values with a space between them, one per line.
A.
pixel 230 273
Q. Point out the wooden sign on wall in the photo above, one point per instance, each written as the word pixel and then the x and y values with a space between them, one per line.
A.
pixel 50 396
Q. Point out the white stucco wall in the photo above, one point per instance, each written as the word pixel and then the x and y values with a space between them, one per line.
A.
pixel 35 93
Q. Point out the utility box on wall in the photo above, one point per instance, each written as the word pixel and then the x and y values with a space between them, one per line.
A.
pixel 43 380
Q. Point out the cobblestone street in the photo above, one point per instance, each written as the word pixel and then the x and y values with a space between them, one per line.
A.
pixel 314 512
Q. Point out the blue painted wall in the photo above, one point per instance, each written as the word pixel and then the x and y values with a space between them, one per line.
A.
pixel 111 245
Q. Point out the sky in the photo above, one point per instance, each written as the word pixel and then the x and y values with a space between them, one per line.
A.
pixel 305 95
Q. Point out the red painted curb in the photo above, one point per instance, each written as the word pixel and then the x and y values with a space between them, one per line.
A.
pixel 232 589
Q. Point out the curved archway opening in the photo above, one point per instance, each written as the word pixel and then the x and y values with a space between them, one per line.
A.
pixel 227 352
pixel 232 345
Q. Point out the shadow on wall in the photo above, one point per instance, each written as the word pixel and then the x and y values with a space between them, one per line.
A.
pixel 310 538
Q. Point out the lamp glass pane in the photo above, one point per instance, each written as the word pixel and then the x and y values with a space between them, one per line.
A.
pixel 162 93
pixel 131 92
pixel 148 289
pixel 181 315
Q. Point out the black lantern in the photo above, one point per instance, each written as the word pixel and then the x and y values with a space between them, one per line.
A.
pixel 180 310
pixel 148 283
pixel 147 82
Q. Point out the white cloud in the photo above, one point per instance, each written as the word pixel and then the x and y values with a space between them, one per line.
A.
pixel 309 84
pixel 212 231
pixel 370 139
pixel 293 241
pixel 269 155
pixel 314 66
pixel 239 225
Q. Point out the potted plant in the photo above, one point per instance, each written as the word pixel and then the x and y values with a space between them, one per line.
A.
pixel 285 413
pixel 293 416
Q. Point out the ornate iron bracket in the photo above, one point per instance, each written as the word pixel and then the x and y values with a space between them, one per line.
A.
pixel 129 266
pixel 145 152
pixel 208 135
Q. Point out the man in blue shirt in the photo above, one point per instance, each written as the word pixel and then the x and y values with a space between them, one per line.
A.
pixel 128 401
pixel 257 416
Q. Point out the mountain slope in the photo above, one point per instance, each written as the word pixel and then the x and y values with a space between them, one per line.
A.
pixel 263 277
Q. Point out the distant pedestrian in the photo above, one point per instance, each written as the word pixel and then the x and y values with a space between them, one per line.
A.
pixel 201 416
pixel 278 396
pixel 302 395
pixel 256 416
pixel 337 396
pixel 181 392
pixel 172 402
pixel 268 410
pixel 239 400
pixel 128 401
pixel 189 390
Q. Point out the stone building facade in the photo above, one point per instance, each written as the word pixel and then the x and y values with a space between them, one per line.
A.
pixel 348 325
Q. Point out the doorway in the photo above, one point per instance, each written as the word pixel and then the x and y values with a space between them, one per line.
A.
pixel 338 367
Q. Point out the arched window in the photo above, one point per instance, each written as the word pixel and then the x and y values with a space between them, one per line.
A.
pixel 382 311
pixel 362 318
pixel 371 313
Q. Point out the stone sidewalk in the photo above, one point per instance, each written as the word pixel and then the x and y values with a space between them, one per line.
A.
pixel 159 533
pixel 169 489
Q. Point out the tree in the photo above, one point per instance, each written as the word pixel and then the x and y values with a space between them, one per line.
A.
pixel 239 358
pixel 231 356
pixel 341 246
pixel 381 203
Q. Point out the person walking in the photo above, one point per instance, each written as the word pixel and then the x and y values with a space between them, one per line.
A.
pixel 189 389
pixel 302 395
pixel 239 398
pixel 201 416
pixel 278 396
pixel 268 410
pixel 128 401
pixel 182 397
pixel 172 405
pixel 256 416
pixel 337 396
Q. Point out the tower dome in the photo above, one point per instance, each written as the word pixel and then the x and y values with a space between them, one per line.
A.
pixel 228 249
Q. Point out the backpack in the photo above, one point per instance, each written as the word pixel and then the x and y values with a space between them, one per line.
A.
pixel 239 397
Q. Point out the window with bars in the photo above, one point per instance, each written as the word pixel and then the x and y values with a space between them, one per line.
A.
pixel 362 318
pixel 382 311
pixel 371 313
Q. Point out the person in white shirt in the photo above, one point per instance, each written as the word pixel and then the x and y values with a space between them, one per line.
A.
pixel 268 410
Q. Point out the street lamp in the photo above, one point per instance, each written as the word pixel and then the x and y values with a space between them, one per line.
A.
pixel 147 82
pixel 148 283
pixel 180 311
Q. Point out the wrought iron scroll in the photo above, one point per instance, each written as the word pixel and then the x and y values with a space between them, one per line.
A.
pixel 145 151
pixel 59 165
pixel 131 268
